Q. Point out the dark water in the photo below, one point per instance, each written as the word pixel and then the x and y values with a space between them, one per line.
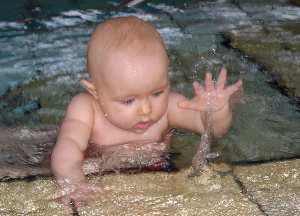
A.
pixel 43 57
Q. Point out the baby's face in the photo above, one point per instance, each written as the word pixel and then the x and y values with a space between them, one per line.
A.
pixel 133 89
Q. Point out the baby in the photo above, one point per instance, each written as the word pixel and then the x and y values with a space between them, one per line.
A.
pixel 128 100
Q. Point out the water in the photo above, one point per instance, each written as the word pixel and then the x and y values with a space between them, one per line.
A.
pixel 43 57
pixel 203 152
pixel 130 157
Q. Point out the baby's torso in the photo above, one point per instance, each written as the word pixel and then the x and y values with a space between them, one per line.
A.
pixel 117 149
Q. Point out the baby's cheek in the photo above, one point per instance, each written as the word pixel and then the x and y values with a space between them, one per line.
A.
pixel 121 119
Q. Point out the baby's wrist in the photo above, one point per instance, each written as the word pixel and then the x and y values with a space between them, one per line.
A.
pixel 66 182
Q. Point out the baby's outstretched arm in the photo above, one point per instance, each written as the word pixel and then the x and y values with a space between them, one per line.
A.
pixel 212 98
pixel 67 155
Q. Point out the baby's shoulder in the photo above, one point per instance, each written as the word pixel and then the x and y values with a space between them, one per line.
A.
pixel 83 98
pixel 84 95
pixel 82 106
pixel 83 101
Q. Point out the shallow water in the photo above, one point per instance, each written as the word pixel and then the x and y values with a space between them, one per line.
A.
pixel 43 51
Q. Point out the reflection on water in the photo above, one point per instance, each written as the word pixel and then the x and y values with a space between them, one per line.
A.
pixel 43 58
pixel 23 145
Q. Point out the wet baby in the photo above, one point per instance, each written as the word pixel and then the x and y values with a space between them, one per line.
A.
pixel 128 100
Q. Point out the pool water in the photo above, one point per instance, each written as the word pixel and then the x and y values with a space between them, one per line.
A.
pixel 43 57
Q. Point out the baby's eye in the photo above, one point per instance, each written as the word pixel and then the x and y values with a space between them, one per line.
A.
pixel 127 102
pixel 156 94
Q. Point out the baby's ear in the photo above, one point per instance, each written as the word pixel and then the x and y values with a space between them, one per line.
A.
pixel 90 87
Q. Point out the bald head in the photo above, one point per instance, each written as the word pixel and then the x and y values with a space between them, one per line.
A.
pixel 129 35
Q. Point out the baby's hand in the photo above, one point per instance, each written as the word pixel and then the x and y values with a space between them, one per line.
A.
pixel 78 193
pixel 213 97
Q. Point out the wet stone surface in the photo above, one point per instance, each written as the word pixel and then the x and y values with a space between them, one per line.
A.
pixel 151 193
pixel 272 40
pixel 263 189
pixel 274 186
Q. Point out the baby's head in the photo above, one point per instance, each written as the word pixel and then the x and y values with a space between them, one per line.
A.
pixel 128 63
pixel 129 35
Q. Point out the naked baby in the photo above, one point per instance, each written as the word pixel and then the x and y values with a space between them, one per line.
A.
pixel 128 100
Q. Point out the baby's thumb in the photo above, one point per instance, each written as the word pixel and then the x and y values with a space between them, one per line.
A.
pixel 187 104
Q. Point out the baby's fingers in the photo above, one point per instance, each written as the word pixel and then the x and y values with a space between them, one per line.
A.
pixel 209 85
pixel 221 81
pixel 233 88
pixel 79 205
pixel 198 88
pixel 66 202
pixel 81 201
pixel 96 189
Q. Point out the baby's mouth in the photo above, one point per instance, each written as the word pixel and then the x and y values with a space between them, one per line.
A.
pixel 143 125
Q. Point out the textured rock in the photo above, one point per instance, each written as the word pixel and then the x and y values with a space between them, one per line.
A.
pixel 150 193
pixel 260 189
pixel 274 186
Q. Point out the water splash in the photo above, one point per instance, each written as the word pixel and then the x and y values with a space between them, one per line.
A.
pixel 204 150
pixel 131 157
pixel 131 3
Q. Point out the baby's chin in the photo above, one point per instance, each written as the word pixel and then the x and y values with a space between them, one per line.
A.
pixel 139 131
pixel 133 129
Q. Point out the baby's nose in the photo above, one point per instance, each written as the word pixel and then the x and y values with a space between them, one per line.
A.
pixel 144 108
